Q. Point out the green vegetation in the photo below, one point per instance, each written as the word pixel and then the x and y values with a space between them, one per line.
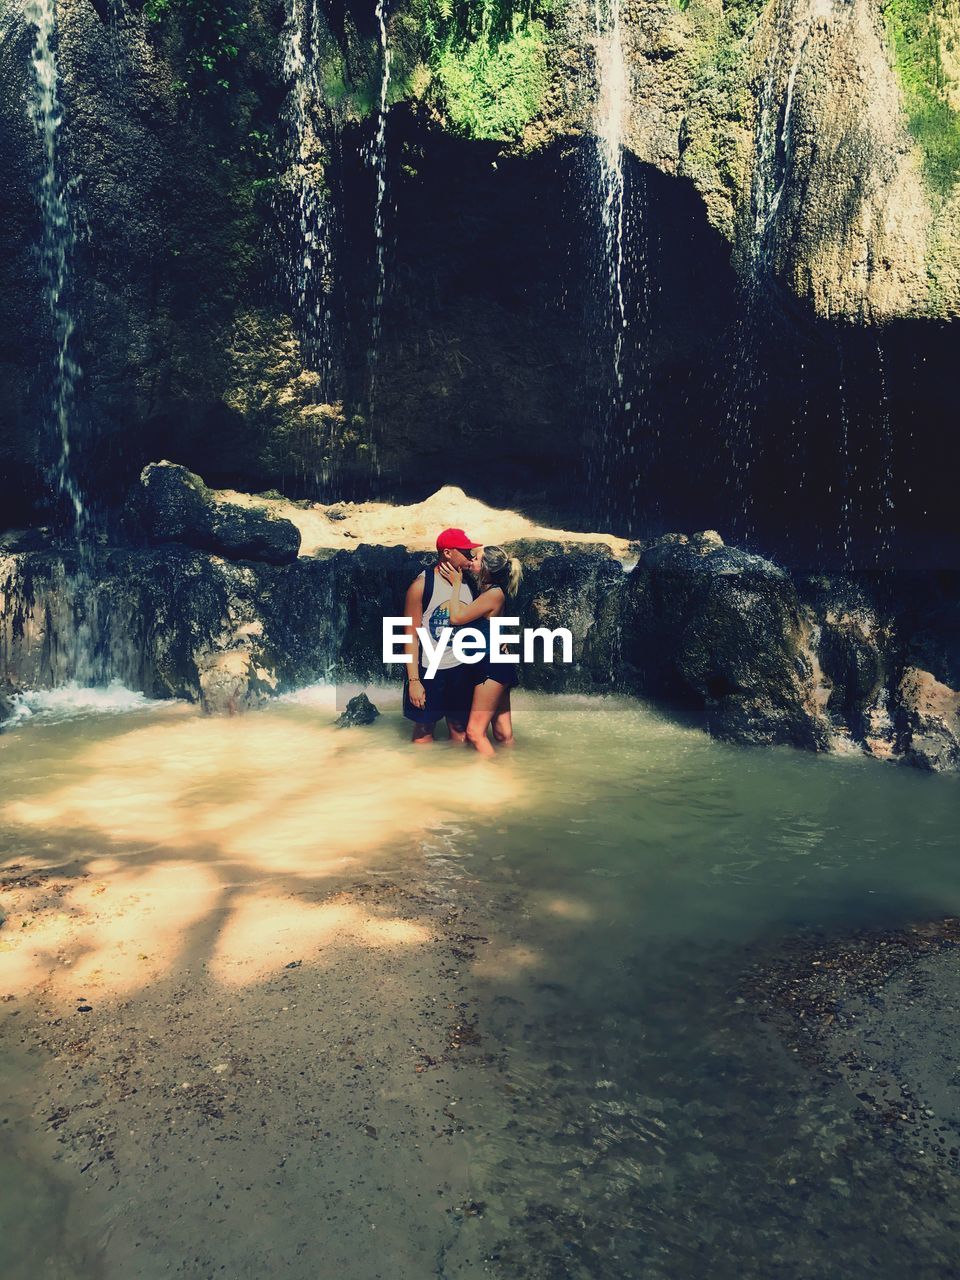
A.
pixel 493 91
pixel 490 63
pixel 716 141
pixel 918 30
pixel 212 32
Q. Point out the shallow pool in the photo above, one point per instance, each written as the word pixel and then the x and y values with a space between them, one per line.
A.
pixel 641 1122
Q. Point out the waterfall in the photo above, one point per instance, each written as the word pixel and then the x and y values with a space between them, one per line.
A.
pixel 773 155
pixel 609 127
pixel 886 504
pixel 846 472
pixel 76 596
pixel 308 263
pixel 378 159
pixel 56 250
pixel 773 138
pixel 611 112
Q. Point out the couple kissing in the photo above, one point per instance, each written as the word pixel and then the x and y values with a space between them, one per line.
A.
pixel 467 586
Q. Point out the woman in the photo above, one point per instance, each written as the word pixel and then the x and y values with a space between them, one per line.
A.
pixel 497 577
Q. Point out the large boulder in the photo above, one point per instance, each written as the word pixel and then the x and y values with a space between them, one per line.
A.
pixel 568 585
pixel 174 505
pixel 713 625
pixel 929 721
pixel 855 639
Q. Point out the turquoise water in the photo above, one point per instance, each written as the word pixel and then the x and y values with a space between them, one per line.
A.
pixel 639 1120
pixel 657 1129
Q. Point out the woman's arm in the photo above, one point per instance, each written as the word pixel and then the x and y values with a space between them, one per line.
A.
pixel 482 607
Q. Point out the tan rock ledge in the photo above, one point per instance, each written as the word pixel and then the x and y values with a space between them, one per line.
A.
pixel 342 526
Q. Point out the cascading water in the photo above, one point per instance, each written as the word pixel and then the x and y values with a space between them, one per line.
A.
pixel 774 145
pixel 56 249
pixel 77 639
pixel 308 259
pixel 378 159
pixel 612 99
pixel 790 30
pixel 845 477
pixel 886 503
pixel 611 111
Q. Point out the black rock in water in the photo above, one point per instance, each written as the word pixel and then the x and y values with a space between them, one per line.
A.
pixel 359 710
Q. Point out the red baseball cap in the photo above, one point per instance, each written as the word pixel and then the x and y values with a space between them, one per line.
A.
pixel 455 539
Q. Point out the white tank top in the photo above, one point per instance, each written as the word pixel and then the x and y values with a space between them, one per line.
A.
pixel 438 615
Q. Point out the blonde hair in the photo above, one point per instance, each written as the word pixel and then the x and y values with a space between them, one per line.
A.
pixel 502 570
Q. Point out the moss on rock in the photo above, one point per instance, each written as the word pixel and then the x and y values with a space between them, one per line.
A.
pixel 923 35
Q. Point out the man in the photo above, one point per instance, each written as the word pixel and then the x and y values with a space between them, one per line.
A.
pixel 449 694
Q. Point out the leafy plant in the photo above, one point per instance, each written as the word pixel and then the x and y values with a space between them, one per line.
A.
pixel 213 31
pixel 489 59
pixel 915 29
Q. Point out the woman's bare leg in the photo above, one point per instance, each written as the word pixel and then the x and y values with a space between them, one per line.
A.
pixel 503 721
pixel 486 696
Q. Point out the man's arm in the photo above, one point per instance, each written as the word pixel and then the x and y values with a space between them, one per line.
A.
pixel 413 609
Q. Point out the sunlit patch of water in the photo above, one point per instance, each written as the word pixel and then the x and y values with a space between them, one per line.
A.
pixel 634 1117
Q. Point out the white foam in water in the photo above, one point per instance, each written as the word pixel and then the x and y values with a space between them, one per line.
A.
pixel 70 700
pixel 321 697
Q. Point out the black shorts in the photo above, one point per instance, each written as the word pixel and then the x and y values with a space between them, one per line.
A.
pixel 449 695
pixel 505 673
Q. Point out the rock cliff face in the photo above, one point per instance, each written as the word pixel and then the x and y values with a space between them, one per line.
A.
pixel 207 160
pixel 791 120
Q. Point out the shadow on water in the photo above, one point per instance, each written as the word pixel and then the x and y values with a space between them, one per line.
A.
pixel 636 1119
pixel 41 1234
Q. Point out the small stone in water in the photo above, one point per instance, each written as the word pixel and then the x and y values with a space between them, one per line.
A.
pixel 359 710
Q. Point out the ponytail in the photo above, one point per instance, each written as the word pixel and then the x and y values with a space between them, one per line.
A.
pixel 502 570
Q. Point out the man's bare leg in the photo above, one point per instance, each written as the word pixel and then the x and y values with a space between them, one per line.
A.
pixel 423 733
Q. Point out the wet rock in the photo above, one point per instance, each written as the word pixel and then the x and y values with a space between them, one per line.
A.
pixel 724 629
pixel 567 586
pixel 854 640
pixel 929 720
pixel 174 505
pixel 764 657
pixel 359 710
pixel 232 681
pixel 6 707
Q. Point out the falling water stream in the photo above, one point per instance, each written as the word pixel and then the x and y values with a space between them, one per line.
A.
pixel 56 249
pixel 309 261
pixel 378 159
pixel 610 122
pixel 773 149
pixel 611 112
pixel 78 662
pixel 886 504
